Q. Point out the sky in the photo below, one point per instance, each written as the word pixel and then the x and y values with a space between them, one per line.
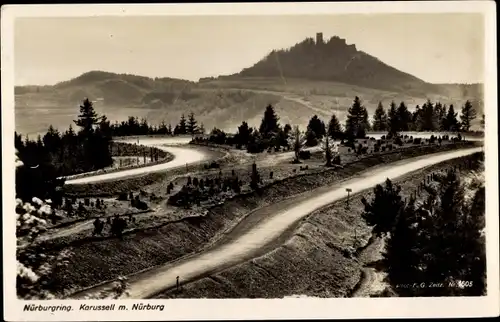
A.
pixel 438 48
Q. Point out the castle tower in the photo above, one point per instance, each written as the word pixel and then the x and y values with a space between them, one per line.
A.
pixel 319 38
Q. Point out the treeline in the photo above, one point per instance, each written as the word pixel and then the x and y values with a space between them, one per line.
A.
pixel 429 117
pixel 56 154
pixel 270 134
pixel 436 244
pixel 134 126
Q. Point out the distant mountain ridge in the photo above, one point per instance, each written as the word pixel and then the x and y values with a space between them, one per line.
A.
pixel 312 77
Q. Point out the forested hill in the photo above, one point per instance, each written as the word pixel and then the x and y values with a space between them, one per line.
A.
pixel 335 60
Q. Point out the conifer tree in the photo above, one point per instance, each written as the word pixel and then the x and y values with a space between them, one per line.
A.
pixel 317 127
pixel 382 211
pixel 334 128
pixel 393 119
pixel 380 119
pixel 451 123
pixel 191 126
pixel 404 117
pixel 244 132
pixel 468 115
pixel 356 123
pixel 181 127
pixel 269 125
pixel 87 117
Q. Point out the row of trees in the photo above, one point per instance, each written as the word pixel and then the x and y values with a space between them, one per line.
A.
pixel 436 242
pixel 56 154
pixel 270 134
pixel 429 117
pixel 134 126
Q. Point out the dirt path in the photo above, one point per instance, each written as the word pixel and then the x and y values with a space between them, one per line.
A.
pixel 263 229
pixel 372 280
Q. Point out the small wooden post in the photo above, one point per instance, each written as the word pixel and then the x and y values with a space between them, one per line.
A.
pixel 349 190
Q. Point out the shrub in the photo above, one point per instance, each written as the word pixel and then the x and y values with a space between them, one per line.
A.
pixel 376 148
pixel 398 141
pixel 305 155
pixel 122 196
pixel 417 141
pixel 336 160
pixel 271 174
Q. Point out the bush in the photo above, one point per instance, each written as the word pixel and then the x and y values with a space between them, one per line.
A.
pixel 336 160
pixel 122 196
pixel 305 155
pixel 417 141
pixel 376 148
pixel 398 141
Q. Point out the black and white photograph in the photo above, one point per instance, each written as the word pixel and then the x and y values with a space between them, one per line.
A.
pixel 231 155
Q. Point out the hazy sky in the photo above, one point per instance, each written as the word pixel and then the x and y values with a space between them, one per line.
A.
pixel 434 47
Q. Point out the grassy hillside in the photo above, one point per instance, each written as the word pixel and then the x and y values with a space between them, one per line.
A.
pixel 222 102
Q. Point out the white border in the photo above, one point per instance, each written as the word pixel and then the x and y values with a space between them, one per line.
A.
pixel 258 309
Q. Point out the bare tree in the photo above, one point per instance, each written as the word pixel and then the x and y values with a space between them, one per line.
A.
pixel 330 150
pixel 297 142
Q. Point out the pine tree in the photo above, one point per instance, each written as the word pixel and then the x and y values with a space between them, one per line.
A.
pixel 162 129
pixel 52 139
pixel 181 127
pixel 402 255
pixel 416 119
pixel 468 115
pixel 244 132
pixel 201 130
pixel 87 117
pixel 356 123
pixel 105 128
pixel 440 113
pixel 270 123
pixel 427 117
pixel 317 127
pixel 192 126
pixel 334 128
pixel 380 119
pixel 385 207
pixel 451 123
pixel 311 139
pixel 393 119
pixel 404 117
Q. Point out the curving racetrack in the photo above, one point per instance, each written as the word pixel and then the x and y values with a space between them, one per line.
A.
pixel 182 156
pixel 246 243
